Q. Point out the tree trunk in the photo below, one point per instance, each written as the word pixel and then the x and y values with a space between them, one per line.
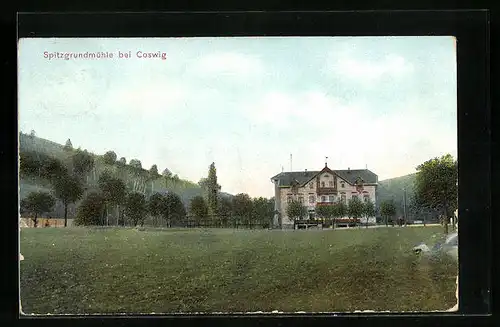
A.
pixel 35 221
pixel 65 215
pixel 386 222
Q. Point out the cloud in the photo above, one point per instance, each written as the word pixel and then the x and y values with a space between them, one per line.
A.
pixel 371 70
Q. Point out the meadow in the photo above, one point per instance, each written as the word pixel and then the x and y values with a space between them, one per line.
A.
pixel 90 270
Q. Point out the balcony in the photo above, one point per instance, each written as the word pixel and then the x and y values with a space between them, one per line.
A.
pixel 326 190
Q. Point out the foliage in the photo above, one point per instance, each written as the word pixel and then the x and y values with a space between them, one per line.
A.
pixel 325 211
pixel 211 189
pixel 122 162
pixel 155 204
pixel 387 210
pixel 368 210
pixel 68 189
pixel 83 162
pixel 296 210
pixel 262 211
pixel 135 163
pixel 89 212
pixel 136 208
pixel 436 185
pixel 38 203
pixel 225 208
pixel 355 208
pixel 113 190
pixel 198 208
pixel 109 158
pixel 153 171
pixel 174 208
pixel 242 207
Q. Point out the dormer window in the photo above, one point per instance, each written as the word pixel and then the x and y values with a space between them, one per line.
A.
pixel 342 184
pixel 330 183
pixel 322 184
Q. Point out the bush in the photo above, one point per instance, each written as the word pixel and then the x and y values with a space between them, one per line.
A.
pixel 90 211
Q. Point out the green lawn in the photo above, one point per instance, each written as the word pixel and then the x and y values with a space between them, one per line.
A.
pixel 80 270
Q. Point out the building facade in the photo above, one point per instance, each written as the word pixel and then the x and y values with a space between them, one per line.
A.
pixel 321 187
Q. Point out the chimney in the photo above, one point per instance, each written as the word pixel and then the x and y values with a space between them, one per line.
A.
pixel 305 172
pixel 348 169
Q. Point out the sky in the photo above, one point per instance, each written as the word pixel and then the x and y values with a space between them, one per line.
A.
pixel 247 103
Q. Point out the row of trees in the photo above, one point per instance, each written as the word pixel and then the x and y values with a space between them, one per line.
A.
pixel 354 209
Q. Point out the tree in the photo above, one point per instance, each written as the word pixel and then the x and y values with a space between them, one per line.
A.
pixel 113 191
pixel 53 169
pixel 68 146
pixel 156 204
pixel 355 209
pixel 436 186
pixel 242 208
pixel 198 208
pixel 262 211
pixel 211 189
pixel 326 212
pixel 136 208
pixel 90 210
pixel 38 203
pixel 153 171
pixel 109 158
pixel 368 210
pixel 68 189
pixel 122 162
pixel 174 208
pixel 83 162
pixel 225 208
pixel 387 210
pixel 296 210
pixel 135 163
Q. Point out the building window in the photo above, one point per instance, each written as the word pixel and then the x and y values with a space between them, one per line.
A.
pixel 342 184
pixel 366 197
pixel 343 198
pixel 331 198
pixel 301 199
pixel 289 199
pixel 322 184
pixel 311 185
pixel 330 183
pixel 311 199
pixel 323 198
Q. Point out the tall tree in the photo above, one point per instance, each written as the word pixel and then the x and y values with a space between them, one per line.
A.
pixel 212 190
pixel 198 208
pixel 68 146
pixel 368 210
pixel 136 208
pixel 38 203
pixel 296 210
pixel 355 209
pixel 436 186
pixel 153 171
pixel 387 210
pixel 109 158
pixel 68 189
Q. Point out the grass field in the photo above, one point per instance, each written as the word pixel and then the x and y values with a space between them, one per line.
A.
pixel 81 270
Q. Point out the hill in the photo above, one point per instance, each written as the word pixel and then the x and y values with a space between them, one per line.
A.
pixel 394 189
pixel 138 180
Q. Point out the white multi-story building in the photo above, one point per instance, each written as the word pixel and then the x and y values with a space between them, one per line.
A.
pixel 321 187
